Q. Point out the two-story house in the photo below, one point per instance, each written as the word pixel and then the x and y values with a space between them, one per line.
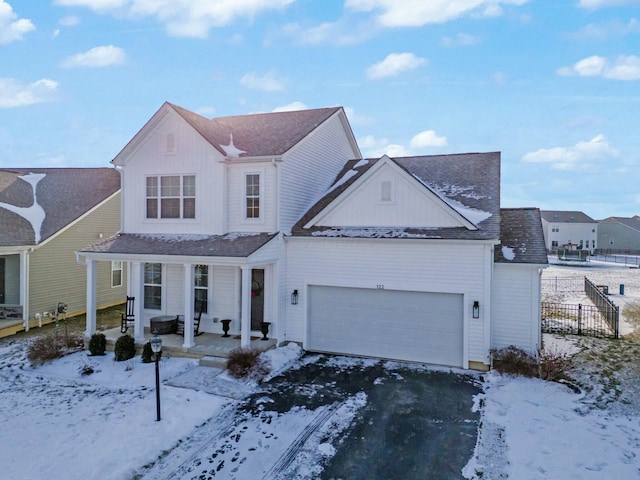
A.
pixel 619 235
pixel 277 218
pixel 569 231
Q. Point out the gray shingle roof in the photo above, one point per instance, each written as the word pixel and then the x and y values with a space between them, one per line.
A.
pixel 469 182
pixel 521 237
pixel 259 135
pixel 560 216
pixel 229 245
pixel 633 222
pixel 65 194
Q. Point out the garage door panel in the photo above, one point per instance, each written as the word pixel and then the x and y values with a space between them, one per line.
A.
pixel 417 326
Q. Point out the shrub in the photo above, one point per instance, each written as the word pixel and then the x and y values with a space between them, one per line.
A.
pixel 147 353
pixel 97 344
pixel 125 348
pixel 54 346
pixel 514 361
pixel 247 362
pixel 554 365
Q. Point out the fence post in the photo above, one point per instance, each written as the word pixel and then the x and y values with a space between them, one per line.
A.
pixel 579 319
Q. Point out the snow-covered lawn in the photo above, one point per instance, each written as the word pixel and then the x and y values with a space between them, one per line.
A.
pixel 57 423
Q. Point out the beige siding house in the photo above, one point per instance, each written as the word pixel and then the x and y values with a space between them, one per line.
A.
pixel 46 215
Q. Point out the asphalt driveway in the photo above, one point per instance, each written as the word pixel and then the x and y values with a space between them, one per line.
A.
pixel 339 418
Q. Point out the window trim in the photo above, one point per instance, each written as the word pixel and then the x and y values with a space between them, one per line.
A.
pixel 113 270
pixel 146 284
pixel 259 196
pixel 158 197
pixel 206 288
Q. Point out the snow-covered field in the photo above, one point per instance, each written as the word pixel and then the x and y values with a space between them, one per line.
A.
pixel 57 423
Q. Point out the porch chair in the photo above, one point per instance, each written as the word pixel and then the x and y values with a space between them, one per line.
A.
pixel 199 307
pixel 128 317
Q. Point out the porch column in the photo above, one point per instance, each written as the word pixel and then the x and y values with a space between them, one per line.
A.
pixel 245 310
pixel 137 278
pixel 188 306
pixel 91 299
pixel 24 287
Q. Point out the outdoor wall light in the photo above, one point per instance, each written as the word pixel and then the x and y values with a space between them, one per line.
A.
pixel 476 309
pixel 294 297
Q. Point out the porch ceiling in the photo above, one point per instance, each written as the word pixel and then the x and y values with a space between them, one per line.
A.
pixel 235 245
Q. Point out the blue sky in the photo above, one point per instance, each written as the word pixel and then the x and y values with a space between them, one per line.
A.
pixel 552 84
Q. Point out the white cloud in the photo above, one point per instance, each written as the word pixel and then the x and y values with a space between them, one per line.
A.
pixel 416 13
pixel 624 67
pixel 268 82
pixel 70 21
pixel 428 138
pixel 395 64
pixel 595 4
pixel 14 94
pixel 581 156
pixel 604 31
pixel 12 28
pixel 293 106
pixel 104 56
pixel 183 18
pixel 334 33
pixel 460 40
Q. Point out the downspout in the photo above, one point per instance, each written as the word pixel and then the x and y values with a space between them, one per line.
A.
pixel 24 286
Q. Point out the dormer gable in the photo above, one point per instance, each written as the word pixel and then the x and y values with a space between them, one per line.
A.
pixel 439 196
pixel 387 196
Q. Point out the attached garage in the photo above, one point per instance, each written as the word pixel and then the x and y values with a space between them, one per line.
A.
pixel 404 325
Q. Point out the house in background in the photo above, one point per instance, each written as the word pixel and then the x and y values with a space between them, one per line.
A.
pixel 46 214
pixel 569 232
pixel 277 219
pixel 619 235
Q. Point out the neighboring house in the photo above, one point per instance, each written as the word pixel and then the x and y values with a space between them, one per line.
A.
pixel 46 214
pixel 619 235
pixel 567 231
pixel 276 218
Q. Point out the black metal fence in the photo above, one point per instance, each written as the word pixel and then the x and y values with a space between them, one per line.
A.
pixel 602 319
pixel 577 320
pixel 630 260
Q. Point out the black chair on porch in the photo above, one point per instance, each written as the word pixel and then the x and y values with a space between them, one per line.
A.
pixel 128 317
pixel 197 315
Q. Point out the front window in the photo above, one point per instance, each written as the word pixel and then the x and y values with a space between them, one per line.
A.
pixel 116 273
pixel 153 286
pixel 171 196
pixel 252 195
pixel 201 285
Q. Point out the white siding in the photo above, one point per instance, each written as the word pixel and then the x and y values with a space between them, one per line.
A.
pixel 173 304
pixel 309 169
pixel 426 266
pixel 516 307
pixel 236 197
pixel 571 233
pixel 192 156
pixel 410 205
pixel 226 298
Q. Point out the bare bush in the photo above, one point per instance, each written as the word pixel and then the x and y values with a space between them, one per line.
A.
pixel 245 362
pixel 514 361
pixel 50 347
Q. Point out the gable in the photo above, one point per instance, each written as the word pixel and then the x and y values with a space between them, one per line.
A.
pixel 388 197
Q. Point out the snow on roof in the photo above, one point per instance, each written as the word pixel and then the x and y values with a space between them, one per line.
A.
pixel 34 214
pixel 231 150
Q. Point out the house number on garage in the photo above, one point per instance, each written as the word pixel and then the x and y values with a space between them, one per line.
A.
pixel 380 287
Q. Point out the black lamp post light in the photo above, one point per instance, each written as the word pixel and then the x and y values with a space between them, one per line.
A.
pixel 156 348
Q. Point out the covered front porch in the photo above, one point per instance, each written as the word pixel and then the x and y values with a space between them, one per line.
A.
pixel 208 345
pixel 203 280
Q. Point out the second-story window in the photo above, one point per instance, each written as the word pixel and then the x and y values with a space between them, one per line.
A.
pixel 171 196
pixel 252 195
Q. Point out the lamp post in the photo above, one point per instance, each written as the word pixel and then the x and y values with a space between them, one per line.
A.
pixel 156 348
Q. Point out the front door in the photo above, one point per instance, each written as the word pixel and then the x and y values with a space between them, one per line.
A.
pixel 1 280
pixel 257 298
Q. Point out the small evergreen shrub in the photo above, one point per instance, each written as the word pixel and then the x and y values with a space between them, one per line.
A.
pixel 98 344
pixel 54 346
pixel 125 348
pixel 246 362
pixel 147 353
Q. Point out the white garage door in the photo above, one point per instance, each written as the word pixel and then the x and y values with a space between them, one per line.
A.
pixel 416 326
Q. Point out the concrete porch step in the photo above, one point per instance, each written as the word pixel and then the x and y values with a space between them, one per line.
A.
pixel 215 362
